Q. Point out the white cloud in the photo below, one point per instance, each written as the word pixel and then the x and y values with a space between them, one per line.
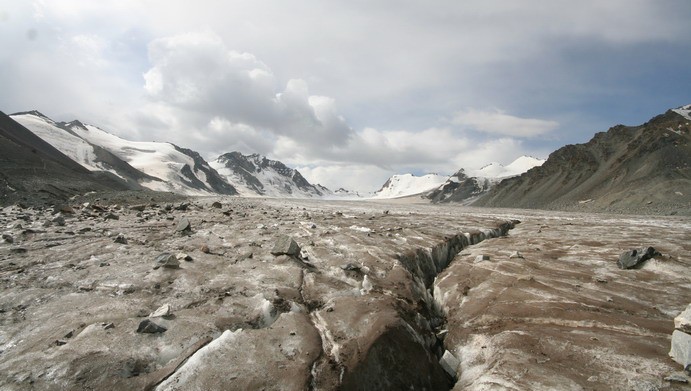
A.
pixel 354 177
pixel 499 122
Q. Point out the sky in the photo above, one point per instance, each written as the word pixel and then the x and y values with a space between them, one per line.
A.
pixel 349 92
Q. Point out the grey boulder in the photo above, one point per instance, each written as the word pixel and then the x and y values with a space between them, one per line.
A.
pixel 634 258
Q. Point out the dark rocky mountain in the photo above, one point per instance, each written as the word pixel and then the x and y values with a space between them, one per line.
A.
pixel 645 168
pixel 254 175
pixel 33 171
pixel 461 188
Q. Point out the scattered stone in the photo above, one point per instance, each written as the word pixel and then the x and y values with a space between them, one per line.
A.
pixel 60 342
pixel 111 216
pixel 516 254
pixel 683 321
pixel 7 238
pixel 216 205
pixel 162 311
pixel 677 378
pixel 149 327
pixel 167 260
pixel 350 267
pixel 481 258
pixel 59 220
pixel 450 363
pixel 681 348
pixel 102 264
pixel 184 225
pixel 313 226
pixel 183 206
pixel 138 208
pixel 69 335
pixel 285 245
pixel 120 239
pixel 634 258
pixel 183 257
pixel 205 249
pixel 600 279
pixel 65 209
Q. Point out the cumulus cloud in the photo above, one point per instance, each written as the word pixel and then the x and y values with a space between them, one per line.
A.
pixel 196 72
pixel 499 122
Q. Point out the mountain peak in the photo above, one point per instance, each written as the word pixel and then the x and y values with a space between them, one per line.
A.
pixel 256 175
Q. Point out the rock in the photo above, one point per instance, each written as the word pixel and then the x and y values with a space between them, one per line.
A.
pixel 216 205
pixel 635 257
pixel 183 206
pixel 120 239
pixel 516 254
pixel 683 321
pixel 149 327
pixel 481 258
pixel 450 363
pixel 59 220
pixel 111 216
pixel 184 225
pixel 183 257
pixel 285 245
pixel 108 326
pixel 138 208
pixel 18 250
pixel 681 348
pixel 8 238
pixel 162 311
pixel 205 249
pixel 350 267
pixel 677 378
pixel 167 260
pixel 65 209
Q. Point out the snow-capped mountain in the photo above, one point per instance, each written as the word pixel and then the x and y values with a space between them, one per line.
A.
pixel 408 184
pixel 466 187
pixel 154 165
pixel 517 167
pixel 684 111
pixel 255 175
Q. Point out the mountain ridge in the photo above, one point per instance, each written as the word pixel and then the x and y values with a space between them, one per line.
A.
pixel 644 167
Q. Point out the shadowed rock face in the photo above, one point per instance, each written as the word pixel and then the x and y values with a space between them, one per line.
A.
pixel 371 301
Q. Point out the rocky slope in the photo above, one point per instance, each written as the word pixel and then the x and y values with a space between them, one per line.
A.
pixel 643 168
pixel 33 172
pixel 255 175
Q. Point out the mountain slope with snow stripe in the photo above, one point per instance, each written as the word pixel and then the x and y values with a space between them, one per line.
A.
pixel 408 184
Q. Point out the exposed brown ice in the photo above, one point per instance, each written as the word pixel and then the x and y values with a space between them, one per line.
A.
pixel 293 295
